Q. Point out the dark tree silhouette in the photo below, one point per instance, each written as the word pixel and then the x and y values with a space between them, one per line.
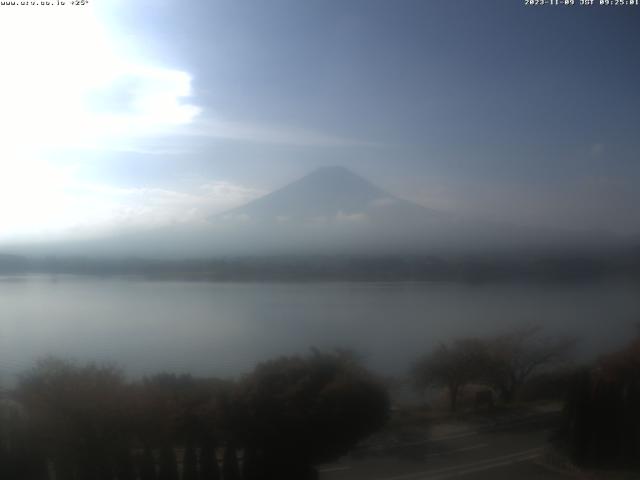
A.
pixel 80 413
pixel 451 366
pixel 179 408
pixel 288 415
pixel 503 362
pixel 515 357
pixel 230 468
pixel 251 463
pixel 602 411
pixel 124 468
pixel 190 463
pixel 209 469
pixel 300 411
pixel 168 466
pixel 147 465
pixel 20 457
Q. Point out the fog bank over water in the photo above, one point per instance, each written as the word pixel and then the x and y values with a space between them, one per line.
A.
pixel 225 328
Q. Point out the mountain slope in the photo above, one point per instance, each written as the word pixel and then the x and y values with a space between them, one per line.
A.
pixel 329 194
pixel 330 211
pixel 334 210
pixel 325 191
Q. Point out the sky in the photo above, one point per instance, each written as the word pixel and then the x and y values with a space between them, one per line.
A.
pixel 121 115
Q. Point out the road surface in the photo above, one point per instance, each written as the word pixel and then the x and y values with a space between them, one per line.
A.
pixel 510 450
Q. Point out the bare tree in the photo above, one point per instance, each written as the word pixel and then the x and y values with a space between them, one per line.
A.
pixel 514 357
pixel 451 366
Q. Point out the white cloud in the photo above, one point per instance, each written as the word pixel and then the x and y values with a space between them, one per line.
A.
pixel 60 206
pixel 280 135
pixel 73 81
pixel 64 67
pixel 69 82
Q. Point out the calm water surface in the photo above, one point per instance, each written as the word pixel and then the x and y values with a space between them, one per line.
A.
pixel 225 328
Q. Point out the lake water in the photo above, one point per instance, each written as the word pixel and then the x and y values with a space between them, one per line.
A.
pixel 225 328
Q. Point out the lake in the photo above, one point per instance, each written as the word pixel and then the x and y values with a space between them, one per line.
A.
pixel 223 329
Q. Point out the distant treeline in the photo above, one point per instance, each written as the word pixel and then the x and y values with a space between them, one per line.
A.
pixel 557 267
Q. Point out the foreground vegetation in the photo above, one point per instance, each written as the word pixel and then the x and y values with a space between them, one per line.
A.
pixel 502 364
pixel 602 412
pixel 86 422
pixel 76 422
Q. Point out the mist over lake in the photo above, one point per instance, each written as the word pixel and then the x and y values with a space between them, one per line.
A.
pixel 223 329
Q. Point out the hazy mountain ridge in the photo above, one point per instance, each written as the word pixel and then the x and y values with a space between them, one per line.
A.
pixel 333 211
pixel 334 225
pixel 327 193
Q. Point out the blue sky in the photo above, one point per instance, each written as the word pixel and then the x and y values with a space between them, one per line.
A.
pixel 154 112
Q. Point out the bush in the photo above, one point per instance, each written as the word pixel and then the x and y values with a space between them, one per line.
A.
pixel 300 411
pixel 602 411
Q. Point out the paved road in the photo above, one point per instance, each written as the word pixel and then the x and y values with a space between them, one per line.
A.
pixel 509 451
